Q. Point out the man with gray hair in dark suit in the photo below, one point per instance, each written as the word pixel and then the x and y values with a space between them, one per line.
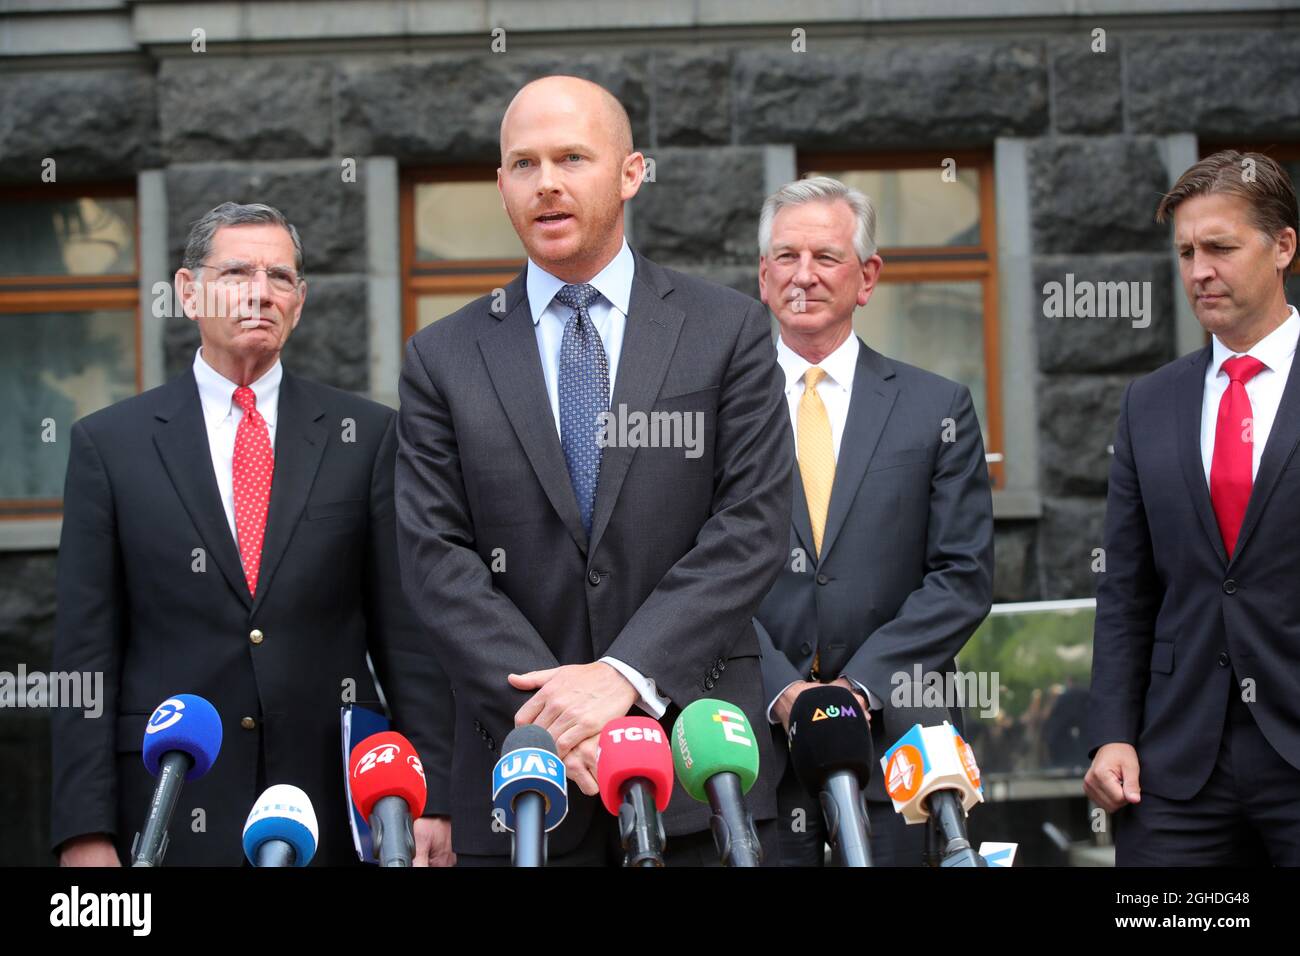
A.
pixel 891 535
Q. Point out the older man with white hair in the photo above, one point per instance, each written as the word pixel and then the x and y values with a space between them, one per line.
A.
pixel 891 532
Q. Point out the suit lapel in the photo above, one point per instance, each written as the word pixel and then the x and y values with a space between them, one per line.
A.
pixel 509 348
pixel 872 401
pixel 1282 440
pixel 182 443
pixel 648 343
pixel 799 514
pixel 1189 398
pixel 300 438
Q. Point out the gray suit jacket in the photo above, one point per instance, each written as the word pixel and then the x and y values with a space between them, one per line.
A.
pixel 494 555
pixel 906 571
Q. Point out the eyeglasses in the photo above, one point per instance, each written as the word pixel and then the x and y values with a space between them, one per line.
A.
pixel 238 273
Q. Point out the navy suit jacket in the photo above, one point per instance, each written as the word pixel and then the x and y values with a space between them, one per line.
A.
pixel 906 570
pixel 1176 618
pixel 152 593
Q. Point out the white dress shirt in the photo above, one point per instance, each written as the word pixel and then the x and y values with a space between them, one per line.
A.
pixel 222 417
pixel 1276 350
pixel 836 392
pixel 608 313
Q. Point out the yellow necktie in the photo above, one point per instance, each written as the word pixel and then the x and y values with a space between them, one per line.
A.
pixel 816 454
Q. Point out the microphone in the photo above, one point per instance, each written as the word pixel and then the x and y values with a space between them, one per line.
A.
pixel 831 753
pixel 281 828
pixel 931 775
pixel 634 769
pixel 388 787
pixel 529 792
pixel 181 741
pixel 717 762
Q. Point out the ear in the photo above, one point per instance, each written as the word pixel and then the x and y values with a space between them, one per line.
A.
pixel 302 299
pixel 501 191
pixel 631 175
pixel 762 280
pixel 187 291
pixel 1286 242
pixel 871 270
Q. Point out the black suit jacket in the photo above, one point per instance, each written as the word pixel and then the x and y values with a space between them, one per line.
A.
pixel 494 554
pixel 906 570
pixel 1175 617
pixel 151 592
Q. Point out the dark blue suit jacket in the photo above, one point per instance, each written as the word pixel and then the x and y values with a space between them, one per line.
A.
pixel 1175 617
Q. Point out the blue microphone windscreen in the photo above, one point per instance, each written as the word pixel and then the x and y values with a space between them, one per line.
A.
pixel 187 723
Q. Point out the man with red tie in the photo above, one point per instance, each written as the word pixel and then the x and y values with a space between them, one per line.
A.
pixel 1195 707
pixel 231 534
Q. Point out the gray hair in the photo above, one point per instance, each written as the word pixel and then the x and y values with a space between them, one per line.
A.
pixel 821 189
pixel 199 244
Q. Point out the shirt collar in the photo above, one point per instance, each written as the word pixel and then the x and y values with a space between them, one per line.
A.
pixel 839 366
pixel 614 282
pixel 1273 349
pixel 217 393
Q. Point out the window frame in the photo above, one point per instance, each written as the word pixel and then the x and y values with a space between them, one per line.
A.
pixel 27 294
pixel 917 264
pixel 478 276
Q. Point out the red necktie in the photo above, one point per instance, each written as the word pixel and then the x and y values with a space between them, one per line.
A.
pixel 253 465
pixel 1234 450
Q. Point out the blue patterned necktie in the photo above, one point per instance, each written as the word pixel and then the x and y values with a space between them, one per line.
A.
pixel 584 394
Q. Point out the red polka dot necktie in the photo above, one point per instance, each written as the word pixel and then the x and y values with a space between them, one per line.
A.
pixel 1234 450
pixel 253 466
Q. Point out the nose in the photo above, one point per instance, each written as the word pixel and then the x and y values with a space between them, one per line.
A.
pixel 803 273
pixel 546 182
pixel 1202 268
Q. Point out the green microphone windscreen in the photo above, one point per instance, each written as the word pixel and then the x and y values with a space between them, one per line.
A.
pixel 712 737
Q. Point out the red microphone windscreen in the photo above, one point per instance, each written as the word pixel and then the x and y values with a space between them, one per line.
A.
pixel 386 765
pixel 634 747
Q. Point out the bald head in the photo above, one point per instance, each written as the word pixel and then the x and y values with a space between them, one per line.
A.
pixel 568 96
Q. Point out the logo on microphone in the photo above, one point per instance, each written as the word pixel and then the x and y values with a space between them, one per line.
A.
pixel 733 727
pixel 968 761
pixel 384 753
pixel 904 773
pixel 833 711
pixel 168 713
pixel 414 763
pixel 648 734
pixel 514 764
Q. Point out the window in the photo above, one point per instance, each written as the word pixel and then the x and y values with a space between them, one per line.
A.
pixel 457 242
pixel 69 311
pixel 936 305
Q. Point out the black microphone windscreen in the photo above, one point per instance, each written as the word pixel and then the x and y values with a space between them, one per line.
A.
pixel 829 732
pixel 529 735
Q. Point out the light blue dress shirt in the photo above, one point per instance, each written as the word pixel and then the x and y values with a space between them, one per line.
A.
pixel 609 315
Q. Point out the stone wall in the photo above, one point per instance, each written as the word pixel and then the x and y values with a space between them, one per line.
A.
pixel 277 127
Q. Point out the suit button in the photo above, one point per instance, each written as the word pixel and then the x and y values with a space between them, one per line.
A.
pixel 823 579
pixel 594 577
pixel 248 723
pixel 722 665
pixel 1223 659
pixel 477 725
pixel 805 648
pixel 255 636
pixel 492 744
pixel 708 683
pixel 1230 586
